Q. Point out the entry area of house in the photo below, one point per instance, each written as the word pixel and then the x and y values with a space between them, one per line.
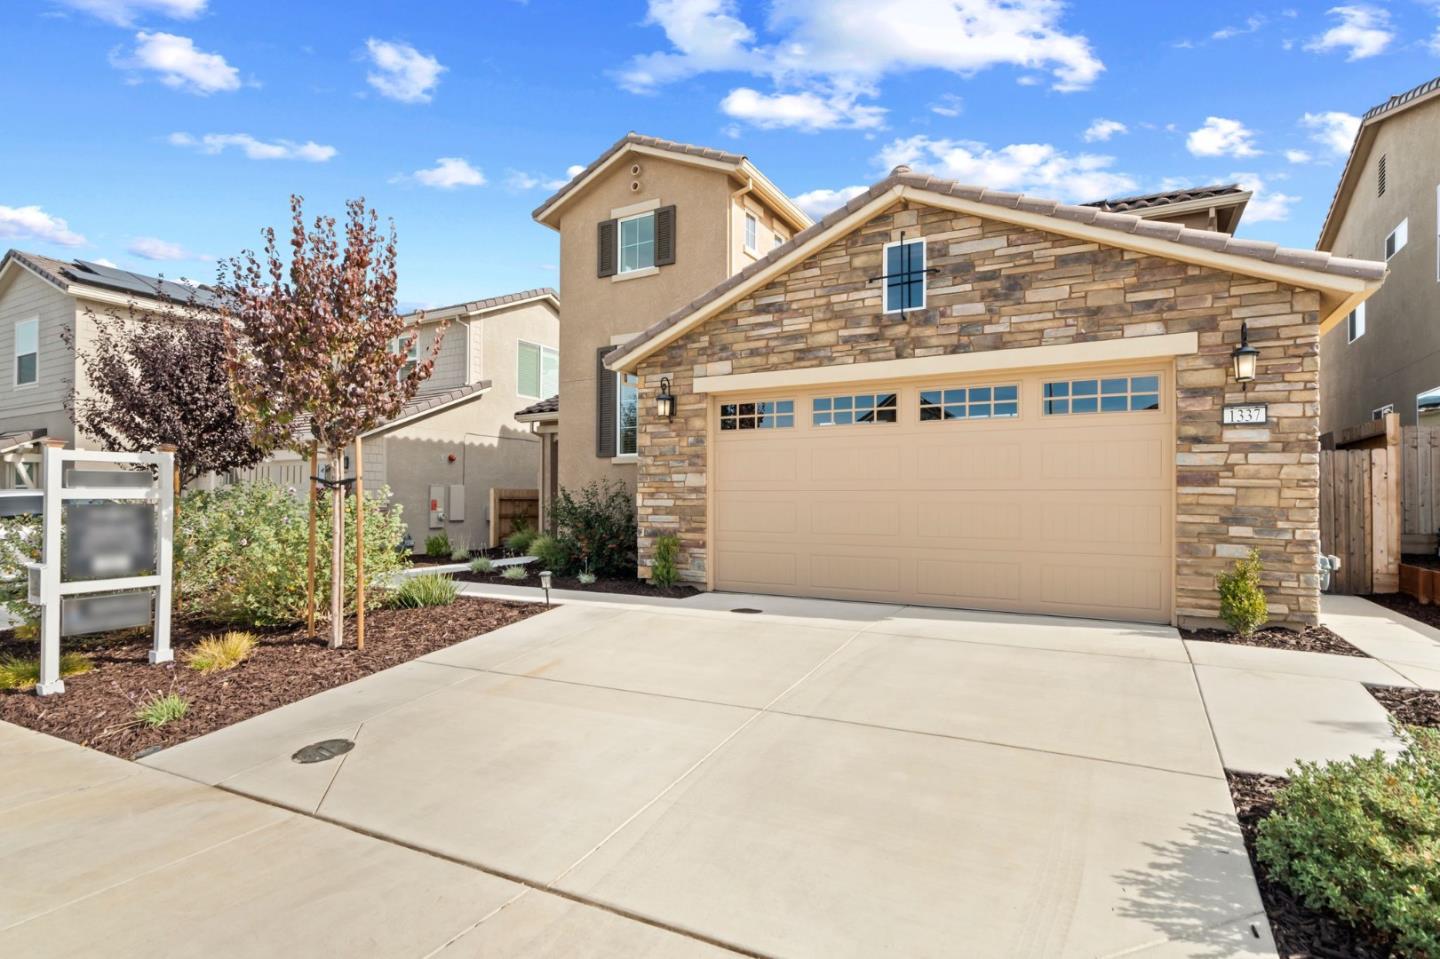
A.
pixel 1046 491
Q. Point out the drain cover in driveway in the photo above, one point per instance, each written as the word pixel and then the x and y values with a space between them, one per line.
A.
pixel 323 750
pixel 746 609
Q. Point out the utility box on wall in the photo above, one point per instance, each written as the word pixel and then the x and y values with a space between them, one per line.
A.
pixel 437 507
pixel 457 503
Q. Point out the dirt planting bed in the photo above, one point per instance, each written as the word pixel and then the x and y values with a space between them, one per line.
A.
pixel 632 587
pixel 1413 707
pixel 1313 639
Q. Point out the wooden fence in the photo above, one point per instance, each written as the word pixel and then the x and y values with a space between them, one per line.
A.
pixel 510 509
pixel 1359 517
pixel 1420 488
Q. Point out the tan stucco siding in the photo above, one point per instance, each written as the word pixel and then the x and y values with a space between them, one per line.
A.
pixel 499 337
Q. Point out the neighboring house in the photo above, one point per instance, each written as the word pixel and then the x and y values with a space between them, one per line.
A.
pixel 40 298
pixel 458 438
pixel 950 396
pixel 1386 355
pixel 1217 208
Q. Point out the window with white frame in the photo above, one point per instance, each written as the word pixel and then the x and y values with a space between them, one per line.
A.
pixel 848 410
pixel 904 263
pixel 1355 324
pixel 1108 394
pixel 752 232
pixel 538 370
pixel 627 411
pixel 27 351
pixel 1397 239
pixel 1379 413
pixel 778 239
pixel 637 242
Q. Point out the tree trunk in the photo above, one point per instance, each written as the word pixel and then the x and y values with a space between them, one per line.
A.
pixel 359 545
pixel 337 552
pixel 310 571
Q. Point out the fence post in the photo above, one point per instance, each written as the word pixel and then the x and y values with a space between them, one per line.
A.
pixel 160 651
pixel 50 468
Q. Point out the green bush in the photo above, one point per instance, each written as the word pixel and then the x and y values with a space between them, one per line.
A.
pixel 460 554
pixel 662 562
pixel 216 654
pixel 19 544
pixel 518 542
pixel 553 553
pixel 481 565
pixel 22 674
pixel 1362 838
pixel 426 589
pixel 586 578
pixel 598 525
pixel 514 573
pixel 241 553
pixel 158 710
pixel 437 546
pixel 1242 601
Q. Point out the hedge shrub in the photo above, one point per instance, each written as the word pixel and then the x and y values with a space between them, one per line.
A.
pixel 597 525
pixel 1242 601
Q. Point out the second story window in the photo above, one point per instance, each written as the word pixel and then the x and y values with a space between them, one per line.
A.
pixel 27 352
pixel 412 355
pixel 904 276
pixel 538 372
pixel 1397 239
pixel 752 232
pixel 637 242
pixel 1355 324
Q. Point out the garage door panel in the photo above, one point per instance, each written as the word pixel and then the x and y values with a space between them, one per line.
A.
pixel 750 513
pixel 954 459
pixel 758 465
pixel 856 516
pixel 856 571
pixel 843 463
pixel 973 580
pixel 970 520
pixel 752 565
pixel 1090 457
pixel 1136 523
pixel 1104 582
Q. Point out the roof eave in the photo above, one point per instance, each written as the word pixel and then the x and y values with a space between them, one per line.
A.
pixel 425 414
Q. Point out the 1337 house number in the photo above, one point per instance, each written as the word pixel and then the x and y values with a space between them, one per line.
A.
pixel 1247 414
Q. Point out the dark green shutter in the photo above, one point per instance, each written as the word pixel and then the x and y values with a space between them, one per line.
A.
pixel 604 405
pixel 665 236
pixel 607 257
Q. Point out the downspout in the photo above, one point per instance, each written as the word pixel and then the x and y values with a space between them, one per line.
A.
pixel 730 226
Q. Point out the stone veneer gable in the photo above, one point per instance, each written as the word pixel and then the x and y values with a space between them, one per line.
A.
pixel 1000 286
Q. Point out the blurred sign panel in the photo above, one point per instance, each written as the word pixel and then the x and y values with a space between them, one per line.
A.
pixel 109 540
pixel 110 479
pixel 26 505
pixel 98 614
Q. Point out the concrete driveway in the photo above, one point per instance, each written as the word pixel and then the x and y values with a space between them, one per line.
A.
pixel 820 779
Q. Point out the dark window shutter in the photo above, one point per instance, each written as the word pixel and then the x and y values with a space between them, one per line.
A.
pixel 665 236
pixel 606 259
pixel 604 405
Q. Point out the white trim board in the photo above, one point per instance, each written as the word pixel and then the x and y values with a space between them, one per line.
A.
pixel 1025 357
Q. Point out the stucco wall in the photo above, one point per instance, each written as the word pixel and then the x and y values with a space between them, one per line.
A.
pixel 1001 287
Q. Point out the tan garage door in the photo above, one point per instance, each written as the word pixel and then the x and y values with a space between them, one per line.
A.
pixel 1045 492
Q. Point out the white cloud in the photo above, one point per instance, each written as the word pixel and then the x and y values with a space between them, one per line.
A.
pixel 33 223
pixel 948 105
pixel 214 143
pixel 1252 24
pixel 150 248
pixel 802 111
pixel 1434 42
pixel 106 262
pixel 123 13
pixel 817 203
pixel 1333 128
pixel 520 180
pixel 1265 205
pixel 1220 136
pixel 1102 130
pixel 574 170
pixel 826 49
pixel 402 72
pixel 449 173
pixel 1297 156
pixel 1037 168
pixel 1363 31
pixel 180 64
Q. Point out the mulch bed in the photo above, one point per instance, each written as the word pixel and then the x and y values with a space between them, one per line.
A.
pixel 1313 639
pixel 1300 932
pixel 1423 560
pixel 1412 707
pixel 1407 606
pixel 631 587
pixel 97 708
pixel 421 559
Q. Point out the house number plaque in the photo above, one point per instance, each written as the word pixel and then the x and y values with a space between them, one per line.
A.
pixel 1246 414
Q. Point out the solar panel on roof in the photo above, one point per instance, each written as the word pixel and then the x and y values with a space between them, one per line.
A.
pixel 128 282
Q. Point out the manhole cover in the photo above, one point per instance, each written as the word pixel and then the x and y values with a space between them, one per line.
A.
pixel 323 750
pixel 746 609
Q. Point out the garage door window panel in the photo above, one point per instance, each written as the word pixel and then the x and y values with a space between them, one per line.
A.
pixel 970 402
pixel 863 408
pixel 759 415
pixel 1110 394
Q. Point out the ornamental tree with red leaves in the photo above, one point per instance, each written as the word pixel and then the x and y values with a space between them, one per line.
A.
pixel 315 339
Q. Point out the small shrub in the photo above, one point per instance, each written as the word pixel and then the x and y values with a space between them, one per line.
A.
pixel 158 710
pixel 437 546
pixel 662 563
pixel 427 589
pixel 1362 838
pixel 22 674
pixel 518 542
pixel 554 554
pixel 1242 601
pixel 481 565
pixel 460 554
pixel 598 522
pixel 514 573
pixel 586 578
pixel 217 653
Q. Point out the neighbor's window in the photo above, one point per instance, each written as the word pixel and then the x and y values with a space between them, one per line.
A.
pixel 970 402
pixel 779 240
pixel 1380 176
pixel 637 242
pixel 538 375
pixel 752 232
pixel 904 276
pixel 1355 324
pixel 1379 414
pixel 846 410
pixel 1111 394
pixel 27 351
pixel 1396 241
pixel 627 399
pixel 760 415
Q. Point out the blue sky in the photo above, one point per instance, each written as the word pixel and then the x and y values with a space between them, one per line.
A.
pixel 161 134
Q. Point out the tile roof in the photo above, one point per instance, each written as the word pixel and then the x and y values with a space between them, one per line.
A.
pixel 1148 201
pixel 477 306
pixel 687 149
pixel 550 405
pixel 1401 99
pixel 18 438
pixel 62 273
pixel 1090 215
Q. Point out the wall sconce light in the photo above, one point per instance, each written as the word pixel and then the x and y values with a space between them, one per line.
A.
pixel 1245 357
pixel 665 403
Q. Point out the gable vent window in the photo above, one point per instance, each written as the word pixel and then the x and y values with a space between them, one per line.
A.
pixel 1396 241
pixel 1355 324
pixel 1380 177
pixel 752 233
pixel 904 276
